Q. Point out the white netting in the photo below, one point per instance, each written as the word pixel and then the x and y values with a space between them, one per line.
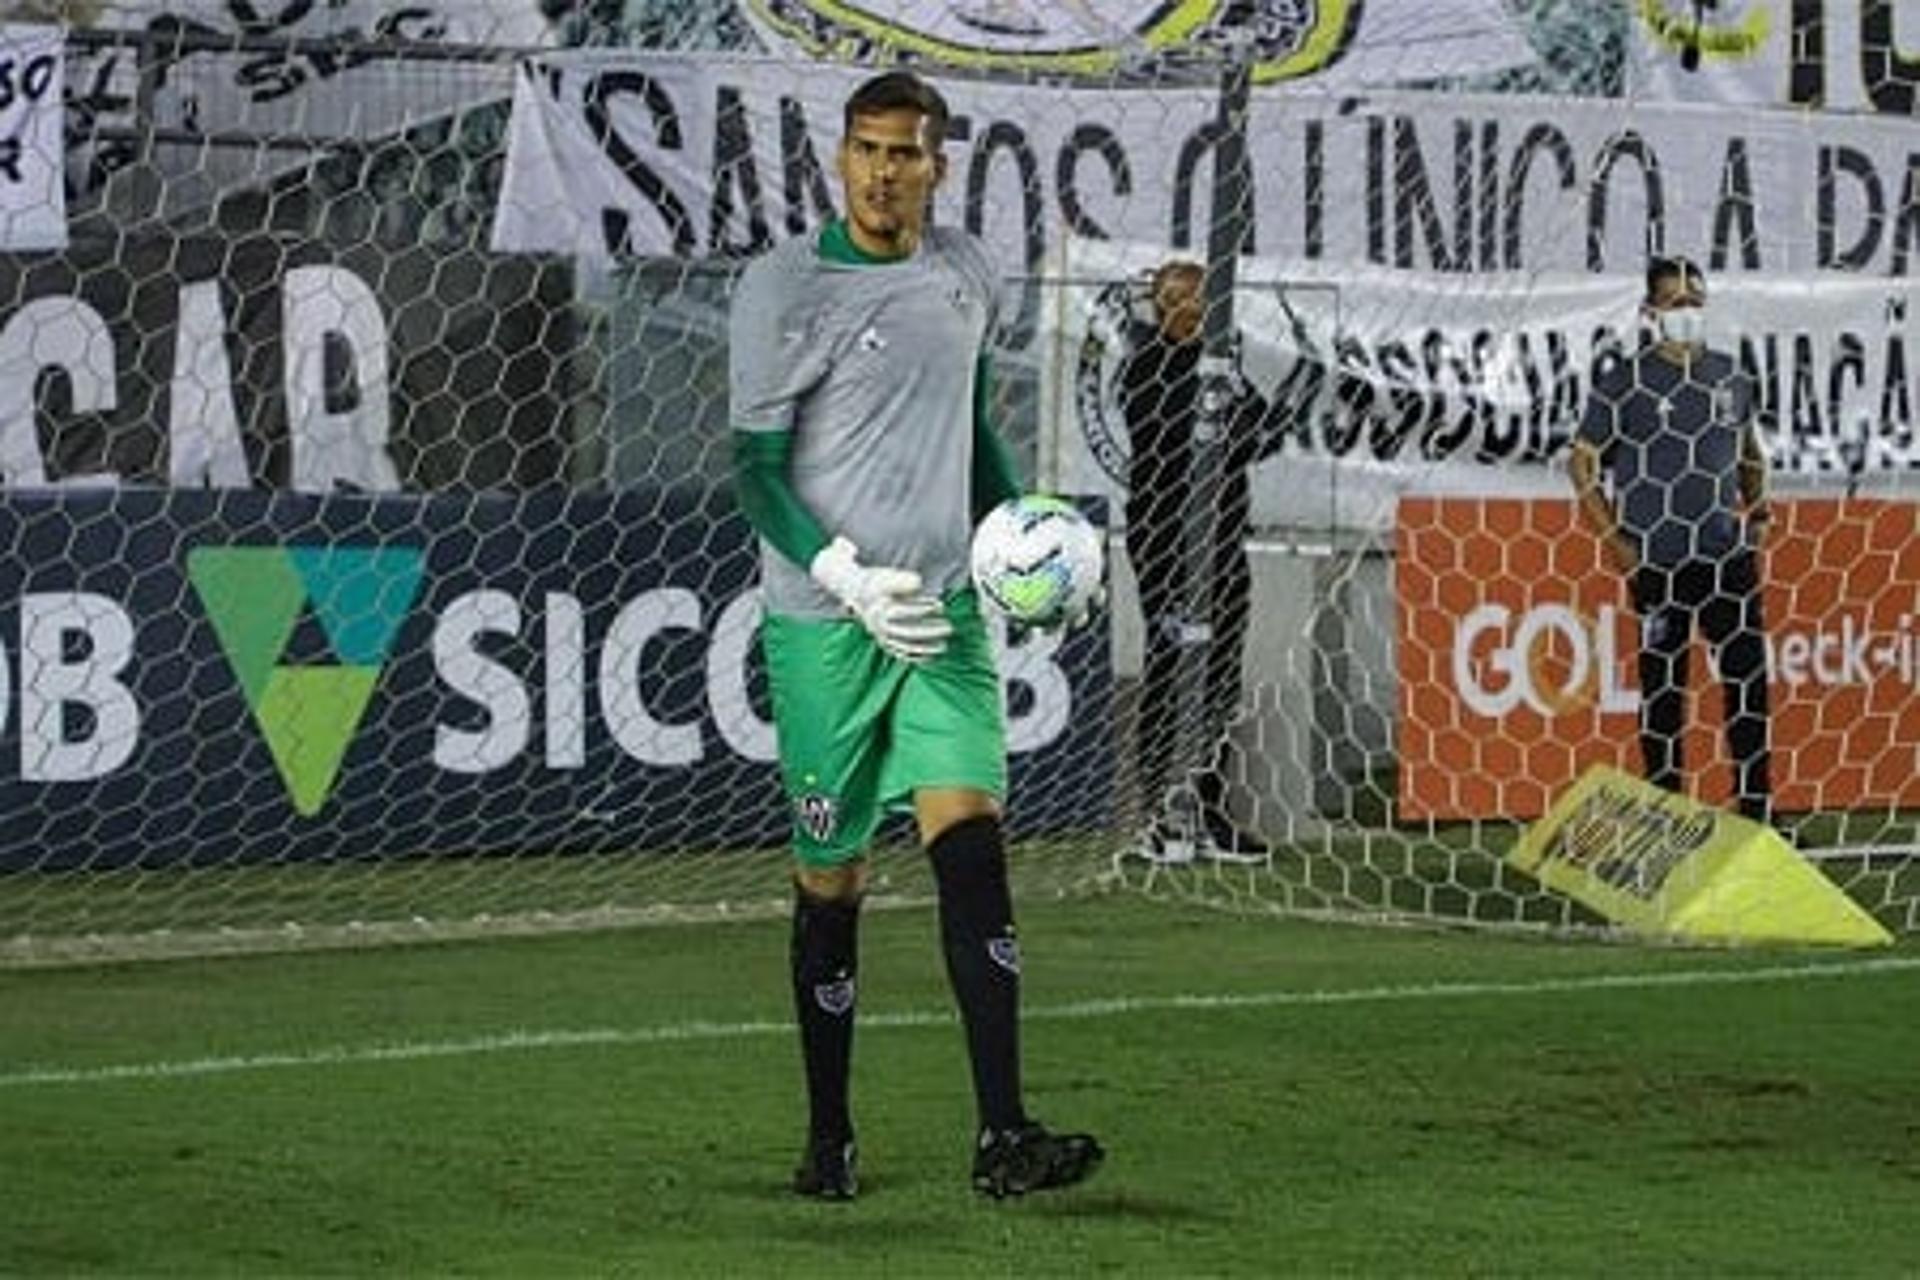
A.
pixel 420 602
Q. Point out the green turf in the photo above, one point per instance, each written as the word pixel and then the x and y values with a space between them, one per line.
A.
pixel 1459 1120
pixel 1448 872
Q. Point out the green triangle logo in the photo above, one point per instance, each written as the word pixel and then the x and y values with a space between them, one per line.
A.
pixel 254 597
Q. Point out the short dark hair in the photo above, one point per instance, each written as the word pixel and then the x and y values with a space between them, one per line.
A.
pixel 1663 267
pixel 900 91
pixel 1174 268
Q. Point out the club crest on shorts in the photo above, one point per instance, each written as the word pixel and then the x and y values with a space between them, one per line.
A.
pixel 1005 952
pixel 818 815
pixel 835 997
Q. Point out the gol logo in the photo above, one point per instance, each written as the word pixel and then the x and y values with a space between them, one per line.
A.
pixel 1554 659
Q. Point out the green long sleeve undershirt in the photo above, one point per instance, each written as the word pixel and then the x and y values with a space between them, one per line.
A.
pixel 764 486
pixel 767 499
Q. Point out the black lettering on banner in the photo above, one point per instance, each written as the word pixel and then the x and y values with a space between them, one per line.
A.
pixel 1526 420
pixel 1518 382
pixel 30 81
pixel 1906 219
pixel 1849 364
pixel 1198 146
pixel 1490 394
pixel 270 78
pixel 1733 215
pixel 600 91
pixel 1413 199
pixel 1805 409
pixel 734 171
pixel 803 180
pixel 1891 76
pixel 278 73
pixel 418 24
pixel 1376 190
pixel 1463 203
pixel 1563 410
pixel 1807 53
pixel 1352 395
pixel 1760 365
pixel 1490 195
pixel 1541 137
pixel 1494 442
pixel 1444 433
pixel 1628 145
pixel 254 23
pixel 1896 404
pixel 1298 394
pixel 1607 345
pixel 1003 135
pixel 1313 189
pixel 1818 404
pixel 1099 139
pixel 1406 405
pixel 1856 164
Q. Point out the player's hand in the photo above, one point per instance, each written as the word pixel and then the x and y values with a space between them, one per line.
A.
pixel 901 617
pixel 1089 609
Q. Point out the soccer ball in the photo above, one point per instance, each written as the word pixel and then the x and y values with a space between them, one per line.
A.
pixel 1037 560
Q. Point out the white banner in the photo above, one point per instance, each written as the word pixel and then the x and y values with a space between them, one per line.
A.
pixel 291 93
pixel 633 154
pixel 1397 382
pixel 33 197
pixel 1841 55
pixel 1339 43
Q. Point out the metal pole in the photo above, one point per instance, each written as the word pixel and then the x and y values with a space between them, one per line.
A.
pixel 1226 239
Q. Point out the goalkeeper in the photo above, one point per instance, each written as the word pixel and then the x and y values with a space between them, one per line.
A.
pixel 863 458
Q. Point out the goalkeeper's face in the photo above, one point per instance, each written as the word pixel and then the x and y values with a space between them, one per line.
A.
pixel 889 168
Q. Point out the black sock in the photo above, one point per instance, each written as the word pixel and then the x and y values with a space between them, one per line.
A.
pixel 825 956
pixel 983 960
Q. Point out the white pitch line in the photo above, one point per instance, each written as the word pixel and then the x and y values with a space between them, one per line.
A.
pixel 1116 1006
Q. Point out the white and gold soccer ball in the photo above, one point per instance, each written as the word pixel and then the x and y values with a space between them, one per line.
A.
pixel 1038 561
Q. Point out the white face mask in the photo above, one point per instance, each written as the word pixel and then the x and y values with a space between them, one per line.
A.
pixel 1683 325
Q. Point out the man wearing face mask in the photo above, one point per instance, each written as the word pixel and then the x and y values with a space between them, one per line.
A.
pixel 1670 426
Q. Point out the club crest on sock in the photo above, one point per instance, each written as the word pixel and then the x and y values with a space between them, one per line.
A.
pixel 835 997
pixel 1005 952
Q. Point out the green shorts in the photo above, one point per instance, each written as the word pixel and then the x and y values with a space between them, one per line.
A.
pixel 860 731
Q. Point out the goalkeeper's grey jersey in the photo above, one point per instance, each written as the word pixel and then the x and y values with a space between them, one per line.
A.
pixel 871 366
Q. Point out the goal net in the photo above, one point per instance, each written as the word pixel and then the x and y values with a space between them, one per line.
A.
pixel 373 571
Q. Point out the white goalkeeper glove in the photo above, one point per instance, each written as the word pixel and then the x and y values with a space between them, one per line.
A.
pixel 902 619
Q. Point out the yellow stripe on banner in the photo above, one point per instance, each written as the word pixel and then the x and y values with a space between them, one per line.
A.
pixel 1663 864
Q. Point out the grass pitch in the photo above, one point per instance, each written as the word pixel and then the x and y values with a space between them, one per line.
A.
pixel 1277 1098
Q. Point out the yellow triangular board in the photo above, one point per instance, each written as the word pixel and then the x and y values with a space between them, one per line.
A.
pixel 1658 863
